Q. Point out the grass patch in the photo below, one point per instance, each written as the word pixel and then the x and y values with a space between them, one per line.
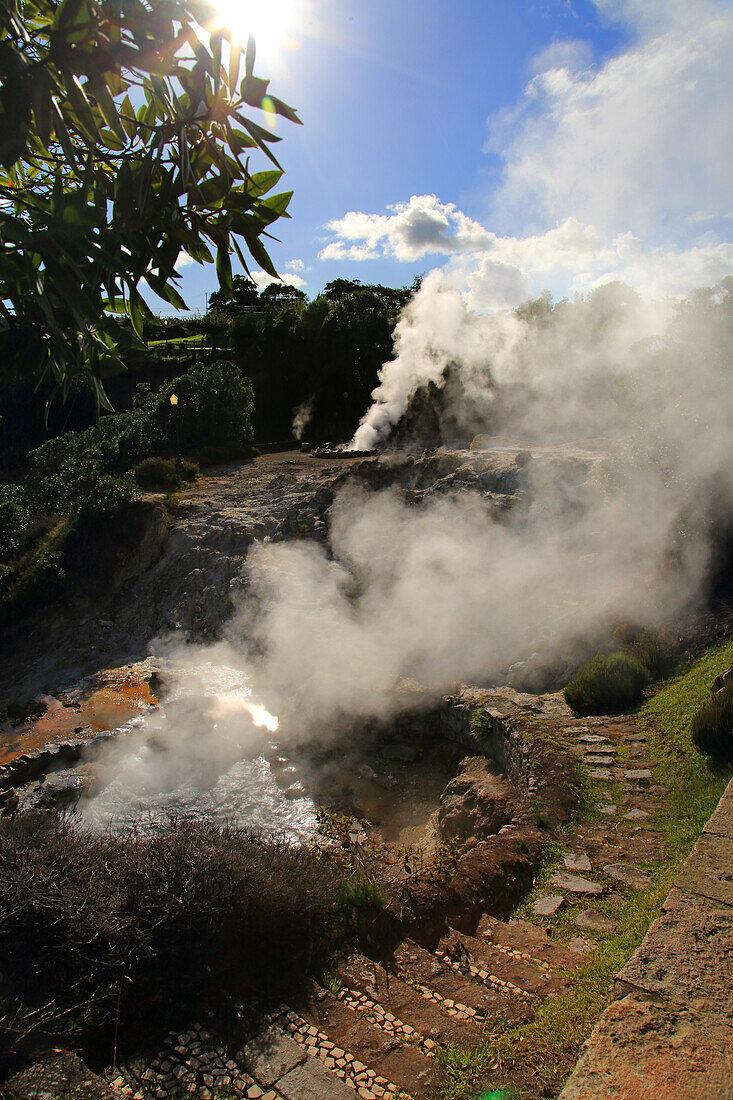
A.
pixel 535 1059
pixel 37 576
pixel 607 685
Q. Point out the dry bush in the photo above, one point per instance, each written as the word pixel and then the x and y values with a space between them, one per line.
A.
pixel 173 916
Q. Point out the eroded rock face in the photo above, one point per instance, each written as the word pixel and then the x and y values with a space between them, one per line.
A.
pixel 476 804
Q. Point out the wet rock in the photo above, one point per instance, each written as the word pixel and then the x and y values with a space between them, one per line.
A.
pixel 477 803
pixel 58 789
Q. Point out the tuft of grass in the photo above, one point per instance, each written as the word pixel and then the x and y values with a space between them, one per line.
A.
pixel 712 727
pixel 607 685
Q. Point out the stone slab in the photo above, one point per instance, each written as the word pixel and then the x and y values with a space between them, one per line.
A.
pixel 576 861
pixel 600 773
pixel 608 808
pixel 595 921
pixel 593 739
pixel 643 1049
pixel 638 773
pixel 548 905
pixel 721 823
pixel 599 760
pixel 629 875
pixel 60 1077
pixel 575 883
pixel 312 1081
pixel 709 869
pixel 636 814
pixel 686 957
pixel 270 1055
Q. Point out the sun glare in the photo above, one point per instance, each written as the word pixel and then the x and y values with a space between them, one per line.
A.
pixel 268 20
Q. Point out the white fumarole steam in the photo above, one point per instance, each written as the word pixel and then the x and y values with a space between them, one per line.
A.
pixel 447 591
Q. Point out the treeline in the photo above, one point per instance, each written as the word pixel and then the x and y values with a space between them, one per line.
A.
pixel 316 360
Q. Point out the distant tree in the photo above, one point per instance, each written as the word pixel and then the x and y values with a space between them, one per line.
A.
pixel 536 309
pixel 277 293
pixel 393 298
pixel 242 294
pixel 123 146
pixel 340 288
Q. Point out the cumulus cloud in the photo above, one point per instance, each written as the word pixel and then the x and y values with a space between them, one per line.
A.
pixel 261 279
pixel 500 271
pixel 638 143
pixel 420 227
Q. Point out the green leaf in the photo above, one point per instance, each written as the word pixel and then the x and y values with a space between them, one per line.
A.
pixel 249 61
pixel 224 268
pixel 235 57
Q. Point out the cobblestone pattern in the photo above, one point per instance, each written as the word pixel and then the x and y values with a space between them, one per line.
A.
pixel 468 970
pixel 453 1008
pixel 367 1084
pixel 189 1064
pixel 523 955
pixel 378 1016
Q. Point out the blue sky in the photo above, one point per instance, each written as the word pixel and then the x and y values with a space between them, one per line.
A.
pixel 515 143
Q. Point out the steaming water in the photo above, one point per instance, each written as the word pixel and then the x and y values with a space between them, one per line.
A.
pixel 201 755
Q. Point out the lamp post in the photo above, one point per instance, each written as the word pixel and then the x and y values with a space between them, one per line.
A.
pixel 174 404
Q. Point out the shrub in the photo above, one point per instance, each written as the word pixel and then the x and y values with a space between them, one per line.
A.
pixel 189 911
pixel 712 727
pixel 152 472
pixel 165 472
pixel 651 651
pixel 607 685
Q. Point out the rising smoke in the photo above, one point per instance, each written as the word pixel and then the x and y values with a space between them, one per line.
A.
pixel 302 416
pixel 450 591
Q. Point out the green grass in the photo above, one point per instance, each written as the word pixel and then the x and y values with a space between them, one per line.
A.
pixel 545 1049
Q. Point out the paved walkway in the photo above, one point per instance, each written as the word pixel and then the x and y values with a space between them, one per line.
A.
pixel 669 1033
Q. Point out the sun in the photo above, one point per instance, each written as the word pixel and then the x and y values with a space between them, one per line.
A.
pixel 267 20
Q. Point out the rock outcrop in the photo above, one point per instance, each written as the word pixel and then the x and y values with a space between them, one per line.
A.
pixel 476 804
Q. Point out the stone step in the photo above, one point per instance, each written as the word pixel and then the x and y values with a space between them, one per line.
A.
pixel 370 1053
pixel 411 1003
pixel 519 974
pixel 415 964
pixel 189 1062
pixel 575 884
pixel 284 1069
pixel 523 936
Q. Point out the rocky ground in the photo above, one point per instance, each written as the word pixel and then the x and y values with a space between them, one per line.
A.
pixel 450 1007
pixel 193 558
pixel 398 1026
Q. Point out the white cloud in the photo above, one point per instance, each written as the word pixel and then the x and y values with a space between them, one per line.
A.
pixel 261 279
pixel 618 170
pixel 638 143
pixel 423 226
pixel 295 265
pixel 502 271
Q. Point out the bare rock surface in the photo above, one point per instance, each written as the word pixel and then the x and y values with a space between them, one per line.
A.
pixel 575 884
pixel 59 1077
pixel 477 803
